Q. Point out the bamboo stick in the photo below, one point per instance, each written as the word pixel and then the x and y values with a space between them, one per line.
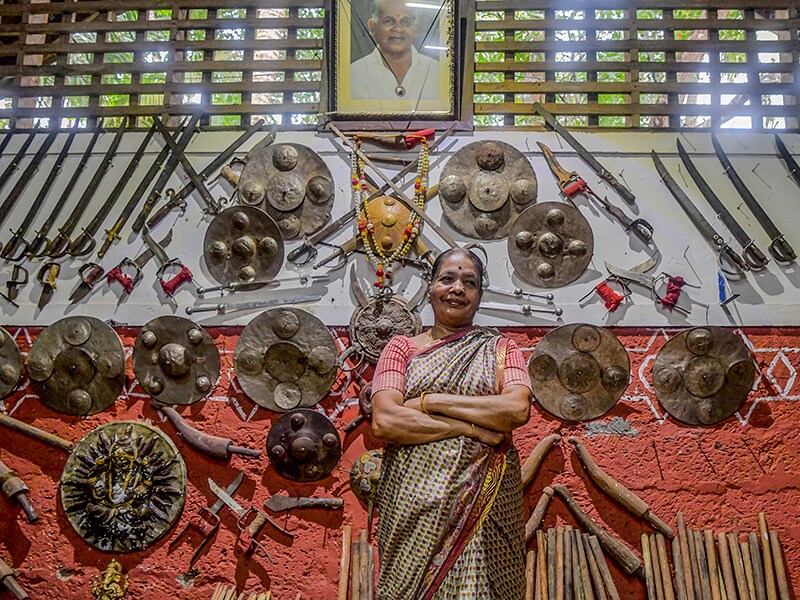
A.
pixel 577 573
pixel 552 543
pixel 680 578
pixel 568 586
pixel 702 564
pixel 560 564
pixel 363 564
pixel 748 569
pixel 663 563
pixel 780 568
pixel 659 584
pixel 370 571
pixel 586 578
pixel 534 461
pixel 686 558
pixel 766 553
pixel 217 590
pixel 649 582
pixel 695 564
pixel 726 564
pixel 722 592
pixel 355 571
pixel 738 566
pixel 602 565
pixel 344 564
pixel 711 558
pixel 530 575
pixel 594 571
pixel 758 568
pixel 541 567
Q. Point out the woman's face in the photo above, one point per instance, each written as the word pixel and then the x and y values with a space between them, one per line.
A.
pixel 455 292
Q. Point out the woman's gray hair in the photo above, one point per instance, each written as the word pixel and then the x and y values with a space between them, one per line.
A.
pixel 476 261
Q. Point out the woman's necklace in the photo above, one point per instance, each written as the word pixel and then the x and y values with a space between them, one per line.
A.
pixel 366 228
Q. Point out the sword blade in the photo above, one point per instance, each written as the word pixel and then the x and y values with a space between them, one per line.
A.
pixel 226 498
pixel 230 490
pixel 794 168
pixel 744 192
pixel 640 278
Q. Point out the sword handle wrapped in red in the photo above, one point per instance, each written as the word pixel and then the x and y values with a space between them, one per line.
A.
pixel 170 286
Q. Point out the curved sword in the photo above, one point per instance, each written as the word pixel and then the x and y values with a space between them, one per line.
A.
pixel 751 253
pixel 794 168
pixel 780 249
pixel 736 266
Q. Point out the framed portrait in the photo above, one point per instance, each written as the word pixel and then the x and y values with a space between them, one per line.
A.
pixel 393 59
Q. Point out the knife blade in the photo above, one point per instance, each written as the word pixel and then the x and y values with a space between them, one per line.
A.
pixel 281 502
pixel 232 487
pixel 225 498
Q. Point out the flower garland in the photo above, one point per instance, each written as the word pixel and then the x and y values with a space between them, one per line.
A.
pixel 366 228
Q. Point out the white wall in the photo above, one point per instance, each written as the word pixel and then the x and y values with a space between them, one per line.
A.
pixel 767 298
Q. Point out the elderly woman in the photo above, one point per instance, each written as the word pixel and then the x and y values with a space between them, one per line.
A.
pixel 450 500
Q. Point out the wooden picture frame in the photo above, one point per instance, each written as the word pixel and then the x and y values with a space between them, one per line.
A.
pixel 365 82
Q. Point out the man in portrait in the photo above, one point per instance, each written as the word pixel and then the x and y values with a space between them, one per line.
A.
pixel 394 69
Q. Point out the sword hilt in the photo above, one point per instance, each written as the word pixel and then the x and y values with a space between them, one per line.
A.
pixel 736 265
pixel 111 235
pixel 36 248
pixel 754 257
pixel 15 248
pixel 170 286
pixel 57 247
pixel 127 282
pixel 81 245
pixel 781 250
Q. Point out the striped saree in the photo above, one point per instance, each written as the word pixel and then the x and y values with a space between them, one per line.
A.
pixel 451 512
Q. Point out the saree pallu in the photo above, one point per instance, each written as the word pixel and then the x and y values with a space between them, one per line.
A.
pixel 451 512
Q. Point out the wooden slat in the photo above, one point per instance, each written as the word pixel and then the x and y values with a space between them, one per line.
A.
pixel 194 66
pixel 667 23
pixel 619 5
pixel 627 87
pixel 520 108
pixel 120 6
pixel 164 24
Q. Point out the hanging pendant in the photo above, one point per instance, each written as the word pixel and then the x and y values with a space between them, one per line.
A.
pixel 400 91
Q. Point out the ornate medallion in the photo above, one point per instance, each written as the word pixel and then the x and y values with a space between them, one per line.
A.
pixel 579 371
pixel 10 363
pixel 175 360
pixel 484 187
pixel 242 245
pixel 365 475
pixel 703 375
pixel 123 486
pixel 304 446
pixel 292 184
pixel 285 359
pixel 77 366
pixel 550 244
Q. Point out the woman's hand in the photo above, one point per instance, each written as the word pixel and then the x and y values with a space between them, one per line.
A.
pixel 488 436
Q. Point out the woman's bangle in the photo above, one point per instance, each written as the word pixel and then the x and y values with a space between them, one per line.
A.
pixel 422 404
pixel 474 433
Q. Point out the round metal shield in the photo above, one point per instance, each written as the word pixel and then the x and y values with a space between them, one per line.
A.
pixel 175 360
pixel 242 245
pixel 703 375
pixel 304 446
pixel 384 316
pixel 286 358
pixel 77 366
pixel 550 244
pixel 579 371
pixel 390 219
pixel 365 475
pixel 123 486
pixel 10 363
pixel 292 184
pixel 484 187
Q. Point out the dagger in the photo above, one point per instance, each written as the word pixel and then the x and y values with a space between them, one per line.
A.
pixel 281 502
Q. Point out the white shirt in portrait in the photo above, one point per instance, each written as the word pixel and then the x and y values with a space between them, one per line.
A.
pixel 371 79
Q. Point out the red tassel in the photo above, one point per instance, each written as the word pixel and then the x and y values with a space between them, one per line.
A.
pixel 118 275
pixel 674 285
pixel 612 299
pixel 173 284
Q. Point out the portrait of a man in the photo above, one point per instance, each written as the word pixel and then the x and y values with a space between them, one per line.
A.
pixel 393 57
pixel 395 68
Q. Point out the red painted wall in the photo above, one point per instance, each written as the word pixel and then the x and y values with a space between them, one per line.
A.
pixel 720 476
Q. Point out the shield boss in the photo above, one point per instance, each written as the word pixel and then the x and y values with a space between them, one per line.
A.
pixel 292 184
pixel 484 187
pixel 286 358
pixel 10 363
pixel 123 486
pixel 175 360
pixel 77 366
pixel 242 245
pixel 579 372
pixel 383 317
pixel 550 244
pixel 303 446
pixel 703 375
